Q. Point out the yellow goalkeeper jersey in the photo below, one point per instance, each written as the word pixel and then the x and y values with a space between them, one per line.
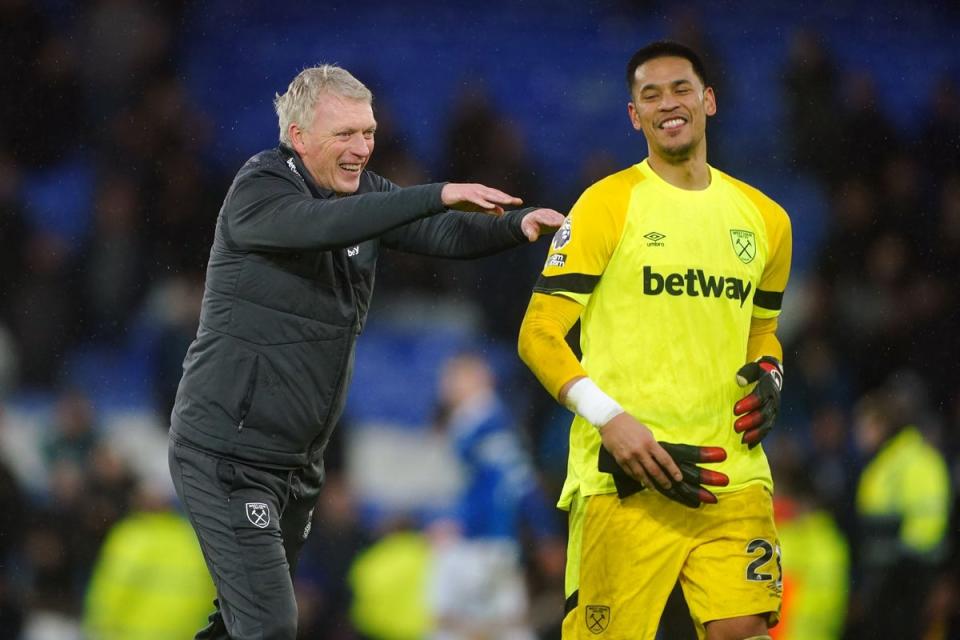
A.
pixel 670 279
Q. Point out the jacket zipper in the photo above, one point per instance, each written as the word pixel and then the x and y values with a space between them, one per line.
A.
pixel 247 400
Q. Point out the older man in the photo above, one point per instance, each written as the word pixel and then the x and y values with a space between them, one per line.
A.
pixel 288 286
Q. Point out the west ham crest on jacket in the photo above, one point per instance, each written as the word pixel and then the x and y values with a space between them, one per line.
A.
pixel 258 513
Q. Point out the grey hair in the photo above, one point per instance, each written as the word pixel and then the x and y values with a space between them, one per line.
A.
pixel 300 99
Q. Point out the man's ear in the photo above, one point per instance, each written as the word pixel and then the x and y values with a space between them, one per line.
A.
pixel 634 116
pixel 709 101
pixel 295 133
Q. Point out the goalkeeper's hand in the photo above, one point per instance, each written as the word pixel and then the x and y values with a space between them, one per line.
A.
pixel 758 410
pixel 688 491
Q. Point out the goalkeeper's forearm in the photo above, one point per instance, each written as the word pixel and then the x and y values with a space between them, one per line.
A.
pixel 543 346
pixel 763 340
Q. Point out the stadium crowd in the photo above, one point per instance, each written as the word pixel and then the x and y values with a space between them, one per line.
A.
pixel 96 111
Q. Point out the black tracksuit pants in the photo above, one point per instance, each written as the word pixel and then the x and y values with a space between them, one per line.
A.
pixel 251 523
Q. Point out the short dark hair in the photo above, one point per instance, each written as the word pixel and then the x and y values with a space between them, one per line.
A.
pixel 665 49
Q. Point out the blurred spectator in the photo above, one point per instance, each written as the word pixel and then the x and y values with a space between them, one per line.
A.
pixel 13 231
pixel 113 258
pixel 831 451
pixel 8 362
pixel 180 218
pixel 400 271
pixel 812 105
pixel 393 159
pixel 323 591
pixel 904 207
pixel 11 609
pixel 52 102
pixel 73 435
pixel 44 317
pixel 479 589
pixel 123 42
pixel 389 582
pixel 23 28
pixel 484 146
pixel 150 580
pixel 867 137
pixel 15 509
pixel 175 310
pixel 903 502
pixel 854 209
pixel 816 558
pixel 109 485
pixel 52 586
pixel 15 506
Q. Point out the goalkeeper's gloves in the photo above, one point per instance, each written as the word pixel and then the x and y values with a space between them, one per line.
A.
pixel 758 410
pixel 689 491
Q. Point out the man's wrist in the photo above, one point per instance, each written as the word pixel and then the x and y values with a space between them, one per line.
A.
pixel 514 219
pixel 588 401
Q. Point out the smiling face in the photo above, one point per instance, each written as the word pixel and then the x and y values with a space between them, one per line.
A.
pixel 337 144
pixel 670 106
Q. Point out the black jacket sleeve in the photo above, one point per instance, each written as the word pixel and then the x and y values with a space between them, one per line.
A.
pixel 267 210
pixel 457 234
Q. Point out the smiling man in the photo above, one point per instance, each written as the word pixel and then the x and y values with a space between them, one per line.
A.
pixel 288 286
pixel 676 272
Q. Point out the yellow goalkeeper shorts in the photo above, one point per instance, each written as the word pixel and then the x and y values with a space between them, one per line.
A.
pixel 625 556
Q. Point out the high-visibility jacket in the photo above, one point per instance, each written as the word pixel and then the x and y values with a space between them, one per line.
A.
pixel 905 491
pixel 816 565
pixel 150 581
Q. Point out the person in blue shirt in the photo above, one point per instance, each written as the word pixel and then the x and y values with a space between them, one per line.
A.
pixel 479 584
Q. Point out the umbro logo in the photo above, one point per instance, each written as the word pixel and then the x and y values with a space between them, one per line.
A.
pixel 655 238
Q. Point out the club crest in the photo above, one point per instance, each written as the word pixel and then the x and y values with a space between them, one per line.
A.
pixel 597 617
pixel 744 245
pixel 258 513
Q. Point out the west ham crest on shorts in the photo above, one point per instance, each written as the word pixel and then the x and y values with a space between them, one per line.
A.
pixel 597 617
pixel 258 513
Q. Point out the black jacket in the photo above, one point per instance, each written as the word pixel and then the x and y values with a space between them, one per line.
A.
pixel 288 286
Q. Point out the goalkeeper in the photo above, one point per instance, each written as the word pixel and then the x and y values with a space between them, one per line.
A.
pixel 676 272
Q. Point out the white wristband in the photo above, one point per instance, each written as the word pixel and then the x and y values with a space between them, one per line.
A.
pixel 587 400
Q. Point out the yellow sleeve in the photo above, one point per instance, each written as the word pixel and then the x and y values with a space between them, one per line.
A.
pixel 577 259
pixel 763 339
pixel 768 299
pixel 582 247
pixel 542 344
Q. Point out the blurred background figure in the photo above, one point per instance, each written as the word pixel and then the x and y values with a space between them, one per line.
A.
pixel 390 583
pixel 478 586
pixel 815 557
pixel 149 580
pixel 903 508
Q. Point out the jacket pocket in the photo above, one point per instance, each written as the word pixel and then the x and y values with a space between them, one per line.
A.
pixel 247 400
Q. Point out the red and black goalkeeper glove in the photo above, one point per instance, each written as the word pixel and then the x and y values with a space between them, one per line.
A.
pixel 689 491
pixel 758 410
